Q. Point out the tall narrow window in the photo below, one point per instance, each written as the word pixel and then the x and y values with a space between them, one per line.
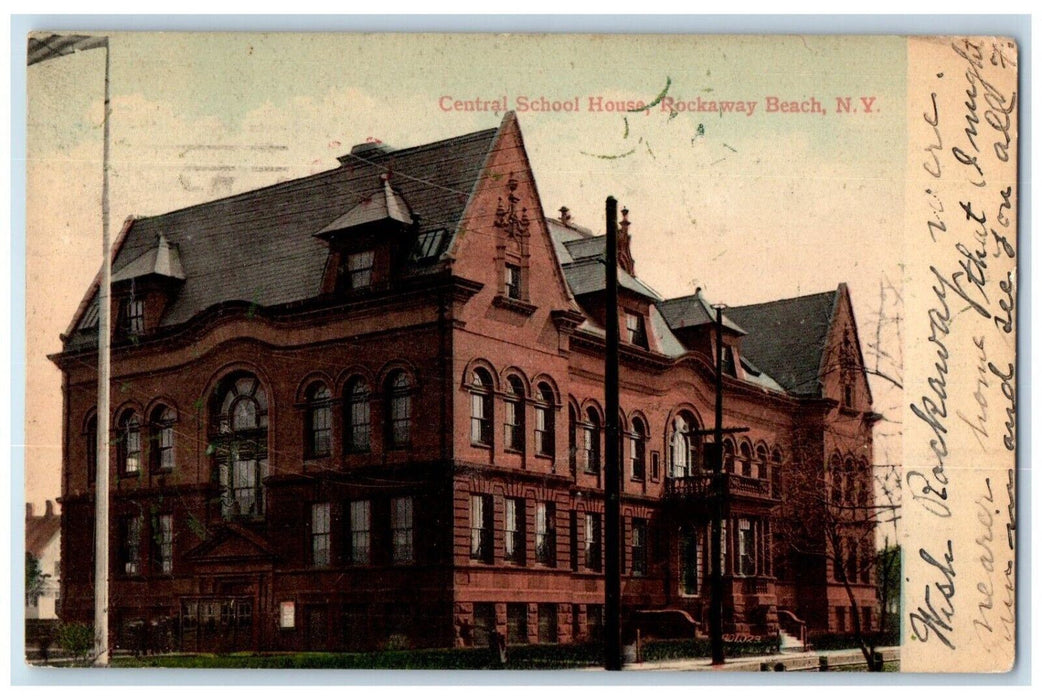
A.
pixel 359 272
pixel 547 623
pixel 638 448
pixel 746 458
pixel 513 281
pixel 573 447
pixel 729 462
pixel 639 548
pixel 319 421
pixel 514 531
pixel 517 623
pixel 481 408
pixel 399 410
pixel 573 540
pixel 162 443
pixel 357 414
pixel 164 543
pixel 130 443
pixel 746 548
pixel 130 545
pixel 546 533
pixel 514 415
pixel 592 442
pixel 592 541
pixel 761 463
pixel 401 530
pixel 239 443
pixel 690 561
pixel 681 452
pixel 361 528
pixel 635 331
pixel 320 529
pixel 544 421
pixel 481 528
pixel 132 316
pixel 91 448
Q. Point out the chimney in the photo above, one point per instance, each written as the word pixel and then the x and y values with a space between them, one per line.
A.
pixel 48 509
pixel 566 216
pixel 625 257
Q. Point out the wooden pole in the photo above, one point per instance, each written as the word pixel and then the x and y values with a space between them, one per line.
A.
pixel 612 560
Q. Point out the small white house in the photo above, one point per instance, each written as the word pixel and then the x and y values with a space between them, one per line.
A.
pixel 43 541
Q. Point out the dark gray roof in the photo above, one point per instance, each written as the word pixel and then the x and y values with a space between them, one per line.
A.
pixel 260 247
pixel 786 338
pixel 588 275
pixel 581 248
pixel 694 310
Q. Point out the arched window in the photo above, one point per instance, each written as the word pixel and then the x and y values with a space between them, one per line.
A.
pixel 544 420
pixel 591 445
pixel 239 443
pixel 481 408
pixel 682 457
pixel 357 416
pixel 129 452
pixel 746 458
pixel 728 457
pixel 638 448
pixel 514 415
pixel 761 462
pixel 319 423
pixel 90 438
pixel 162 438
pixel 399 410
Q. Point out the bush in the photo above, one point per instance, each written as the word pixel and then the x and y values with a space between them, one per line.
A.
pixel 76 639
pixel 829 640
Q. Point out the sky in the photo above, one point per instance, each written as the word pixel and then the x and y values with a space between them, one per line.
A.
pixel 750 207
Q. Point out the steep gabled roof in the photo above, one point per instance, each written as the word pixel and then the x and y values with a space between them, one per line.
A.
pixel 787 338
pixel 260 246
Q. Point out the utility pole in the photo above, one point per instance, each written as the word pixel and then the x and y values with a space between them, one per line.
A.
pixel 43 49
pixel 716 583
pixel 612 563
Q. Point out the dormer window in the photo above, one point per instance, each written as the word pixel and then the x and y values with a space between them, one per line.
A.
pixel 636 333
pixel 358 271
pixel 132 316
pixel 513 281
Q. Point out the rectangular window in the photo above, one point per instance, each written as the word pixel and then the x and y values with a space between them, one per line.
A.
pixel 595 622
pixel 165 446
pixel 841 618
pixel 690 560
pixel 544 432
pixel 746 548
pixel 655 466
pixel 866 618
pixel 359 417
pixel 592 542
pixel 517 623
pixel 361 527
pixel 321 419
pixel 513 428
pixel 639 549
pixel 546 534
pixel 133 316
pixel 573 540
pixel 635 332
pixel 165 543
pixel 591 449
pixel 401 530
pixel 360 270
pixel 513 281
pixel 637 457
pixel 484 623
pixel 131 545
pixel 480 419
pixel 481 528
pixel 547 633
pixel 514 537
pixel 320 534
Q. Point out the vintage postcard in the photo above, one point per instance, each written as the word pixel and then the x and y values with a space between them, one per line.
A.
pixel 540 352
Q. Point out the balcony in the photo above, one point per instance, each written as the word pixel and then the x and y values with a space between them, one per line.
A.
pixel 736 487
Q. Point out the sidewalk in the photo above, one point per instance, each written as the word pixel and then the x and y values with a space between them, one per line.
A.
pixel 789 661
